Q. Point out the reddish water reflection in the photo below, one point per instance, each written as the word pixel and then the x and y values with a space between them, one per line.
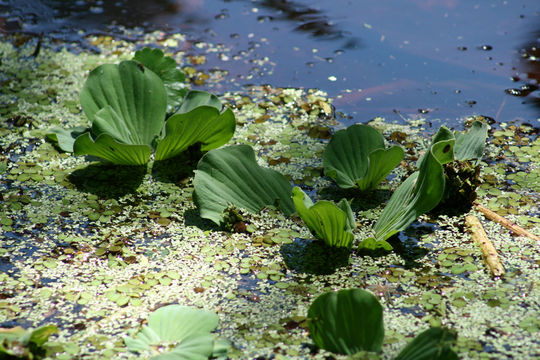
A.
pixel 440 59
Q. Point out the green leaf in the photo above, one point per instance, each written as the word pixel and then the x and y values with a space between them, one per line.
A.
pixel 356 157
pixel 374 245
pixel 65 139
pixel 203 124
pixel 196 98
pixel 421 191
pixel 189 327
pixel 471 145
pixel 346 322
pixel 432 344
pixel 21 343
pixel 231 176
pixel 40 335
pixel 108 148
pixel 328 222
pixel 125 102
pixel 167 69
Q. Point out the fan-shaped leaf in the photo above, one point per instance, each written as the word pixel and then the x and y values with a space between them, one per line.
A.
pixel 203 124
pixel 328 222
pixel 356 157
pixel 346 322
pixel 231 176
pixel 189 327
pixel 136 97
pixel 432 344
pixel 167 69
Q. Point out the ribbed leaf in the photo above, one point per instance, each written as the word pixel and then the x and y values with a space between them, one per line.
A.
pixel 419 193
pixel 346 322
pixel 106 147
pixel 231 176
pixel 471 145
pixel 432 344
pixel 328 222
pixel 189 327
pixel 136 96
pixel 204 124
pixel 197 347
pixel 356 157
pixel 167 69
pixel 196 98
pixel 65 138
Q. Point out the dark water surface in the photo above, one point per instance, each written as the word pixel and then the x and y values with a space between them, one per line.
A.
pixel 442 58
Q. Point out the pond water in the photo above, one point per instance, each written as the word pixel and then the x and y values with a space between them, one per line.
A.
pixel 394 58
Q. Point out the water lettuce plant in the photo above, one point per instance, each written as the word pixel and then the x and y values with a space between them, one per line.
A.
pixel 346 322
pixel 328 222
pixel 167 69
pixel 178 332
pixel 424 189
pixel 357 157
pixel 126 104
pixel 231 176
pixel 19 343
pixel 351 320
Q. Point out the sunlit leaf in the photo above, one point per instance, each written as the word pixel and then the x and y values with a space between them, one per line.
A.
pixel 65 138
pixel 136 97
pixel 167 69
pixel 421 191
pixel 231 176
pixel 329 222
pixel 186 328
pixel 202 122
pixel 356 156
pixel 106 147
pixel 471 144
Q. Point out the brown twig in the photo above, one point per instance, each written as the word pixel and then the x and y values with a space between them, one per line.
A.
pixel 489 253
pixel 505 222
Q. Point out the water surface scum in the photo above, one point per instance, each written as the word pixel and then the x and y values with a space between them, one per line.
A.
pixel 95 248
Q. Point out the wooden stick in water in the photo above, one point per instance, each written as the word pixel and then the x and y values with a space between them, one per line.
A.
pixel 505 222
pixel 489 253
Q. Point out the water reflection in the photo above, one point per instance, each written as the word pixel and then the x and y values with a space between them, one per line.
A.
pixel 529 64
pixel 310 20
pixel 443 60
pixel 65 18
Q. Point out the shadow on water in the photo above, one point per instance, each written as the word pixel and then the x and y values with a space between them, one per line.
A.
pixel 405 245
pixel 193 218
pixel 178 169
pixel 361 201
pixel 107 180
pixel 314 257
